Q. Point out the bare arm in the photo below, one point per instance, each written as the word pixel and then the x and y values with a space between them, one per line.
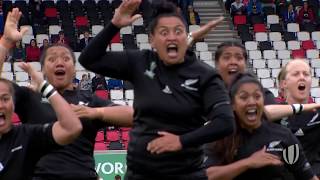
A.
pixel 115 115
pixel 256 160
pixel 275 112
pixel 11 33
pixel 68 127
pixel 204 30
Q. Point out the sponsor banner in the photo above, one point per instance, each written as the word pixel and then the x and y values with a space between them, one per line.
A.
pixel 110 163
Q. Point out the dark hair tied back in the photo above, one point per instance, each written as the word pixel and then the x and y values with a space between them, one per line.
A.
pixel 163 7
pixel 240 79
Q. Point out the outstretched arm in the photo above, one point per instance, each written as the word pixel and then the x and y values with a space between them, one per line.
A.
pixel 204 30
pixel 11 33
pixel 114 115
pixel 276 112
pixel 68 127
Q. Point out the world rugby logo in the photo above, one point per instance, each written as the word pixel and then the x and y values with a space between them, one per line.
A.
pixel 291 154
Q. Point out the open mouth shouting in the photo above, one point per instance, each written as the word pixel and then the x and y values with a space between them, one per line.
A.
pixel 172 50
pixel 251 114
pixel 2 119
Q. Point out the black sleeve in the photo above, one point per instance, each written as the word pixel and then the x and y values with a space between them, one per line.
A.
pixel 219 114
pixel 302 168
pixel 211 158
pixel 268 97
pixel 41 138
pixel 113 64
pixel 28 106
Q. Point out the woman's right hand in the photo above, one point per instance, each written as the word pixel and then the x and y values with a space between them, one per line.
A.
pixel 11 33
pixel 36 77
pixel 123 15
pixel 262 158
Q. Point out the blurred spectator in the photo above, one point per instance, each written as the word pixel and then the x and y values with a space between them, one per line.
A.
pixel 45 44
pixel 75 82
pixel 289 16
pixel 99 83
pixel 85 40
pixel 32 51
pixel 237 8
pixel 306 14
pixel 254 8
pixel 61 39
pixel 184 4
pixel 193 16
pixel 18 53
pixel 281 6
pixel 85 83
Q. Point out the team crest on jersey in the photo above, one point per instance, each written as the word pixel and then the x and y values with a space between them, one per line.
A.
pixel 189 83
pixel 167 90
pixel 313 121
pixel 291 154
pixel 274 146
pixel 149 72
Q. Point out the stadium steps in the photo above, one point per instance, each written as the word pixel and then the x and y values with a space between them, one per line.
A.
pixel 211 9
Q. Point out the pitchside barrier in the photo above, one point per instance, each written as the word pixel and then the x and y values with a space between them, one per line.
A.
pixel 110 163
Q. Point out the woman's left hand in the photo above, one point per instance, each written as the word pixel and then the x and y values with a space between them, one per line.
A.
pixel 168 142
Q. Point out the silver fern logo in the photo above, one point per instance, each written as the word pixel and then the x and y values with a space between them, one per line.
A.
pixel 150 72
pixel 291 154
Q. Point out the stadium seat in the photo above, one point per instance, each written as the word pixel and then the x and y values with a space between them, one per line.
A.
pixel 206 56
pixel 100 146
pixel 263 73
pixel 315 36
pixel 308 44
pixel 239 19
pixel 143 46
pixel 289 36
pixel 116 38
pixel 273 63
pixel 284 54
pixel 269 54
pixel 258 64
pixel 293 27
pixel 30 29
pixel 51 12
pixel 6 67
pixel 126 30
pixel 275 72
pixel 267 83
pixel 265 45
pixel 276 28
pixel 129 95
pixel 81 21
pixel 255 54
pixel 54 29
pixel 103 94
pixel 116 94
pixel 259 28
pixel 275 36
pixel 116 47
pixel 279 45
pixel 298 53
pixel 100 136
pixel 293 45
pixel 26 39
pixel 112 135
pixel 272 19
pixel 202 46
pixel 96 29
pixel 303 36
pixel 251 45
pixel 261 36
pixel 312 53
pixel 7 75
pixel 22 76
pixel 315 63
pixel 142 38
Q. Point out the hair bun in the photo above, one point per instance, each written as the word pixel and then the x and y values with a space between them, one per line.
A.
pixel 163 7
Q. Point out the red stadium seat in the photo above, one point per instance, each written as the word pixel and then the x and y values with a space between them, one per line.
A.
pixel 81 21
pixel 299 53
pixel 100 146
pixel 125 135
pixel 112 136
pixel 239 19
pixel 50 12
pixel 100 136
pixel 259 28
pixel 308 44
pixel 116 38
